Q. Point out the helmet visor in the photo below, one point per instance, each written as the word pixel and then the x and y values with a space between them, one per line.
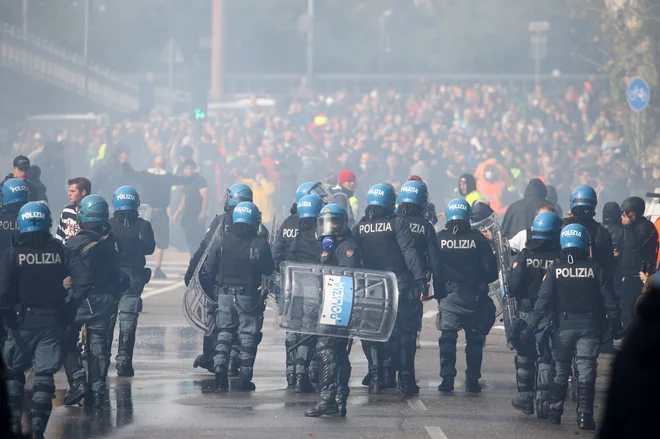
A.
pixel 330 225
pixel 322 192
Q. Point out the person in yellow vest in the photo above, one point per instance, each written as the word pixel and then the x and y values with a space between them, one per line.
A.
pixel 467 187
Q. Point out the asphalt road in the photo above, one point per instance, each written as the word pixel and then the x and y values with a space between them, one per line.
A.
pixel 169 399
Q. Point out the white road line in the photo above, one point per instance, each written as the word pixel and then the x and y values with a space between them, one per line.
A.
pixel 162 290
pixel 499 327
pixel 436 433
pixel 417 405
pixel 429 314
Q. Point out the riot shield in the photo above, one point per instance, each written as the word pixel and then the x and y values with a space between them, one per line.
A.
pixel 198 305
pixel 499 290
pixel 339 302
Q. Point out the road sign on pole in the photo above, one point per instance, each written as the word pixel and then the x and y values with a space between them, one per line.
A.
pixel 638 94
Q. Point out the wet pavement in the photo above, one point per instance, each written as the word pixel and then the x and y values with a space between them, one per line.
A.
pixel 169 399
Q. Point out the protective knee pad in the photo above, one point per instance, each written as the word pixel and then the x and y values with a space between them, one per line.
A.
pixel 525 371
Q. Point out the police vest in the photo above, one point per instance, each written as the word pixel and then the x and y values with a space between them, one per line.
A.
pixel 8 229
pixel 239 258
pixel 40 273
pixel 536 263
pixel 378 244
pixel 128 242
pixel 419 227
pixel 306 248
pixel 576 286
pixel 289 228
pixel 103 255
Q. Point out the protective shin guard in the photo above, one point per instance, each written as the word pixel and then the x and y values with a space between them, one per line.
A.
pixel 125 353
pixel 525 372
pixel 447 343
pixel 42 402
pixel 557 396
pixel 474 344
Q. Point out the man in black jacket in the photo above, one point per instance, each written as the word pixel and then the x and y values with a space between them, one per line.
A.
pixel 21 166
pixel 520 215
pixel 639 251
pixel 612 222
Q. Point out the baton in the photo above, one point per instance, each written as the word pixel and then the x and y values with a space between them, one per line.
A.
pixel 89 305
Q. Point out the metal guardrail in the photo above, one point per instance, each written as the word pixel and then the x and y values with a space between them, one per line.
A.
pixel 65 69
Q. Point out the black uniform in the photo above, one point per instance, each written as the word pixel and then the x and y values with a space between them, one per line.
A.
pixel 469 265
pixel 33 300
pixel 601 244
pixel 236 264
pixel 8 224
pixel 222 223
pixel 639 249
pixel 577 296
pixel 533 359
pixel 135 239
pixel 98 248
pixel 386 243
pixel 332 352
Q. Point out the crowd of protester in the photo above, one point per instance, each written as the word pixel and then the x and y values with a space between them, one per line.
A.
pixel 499 134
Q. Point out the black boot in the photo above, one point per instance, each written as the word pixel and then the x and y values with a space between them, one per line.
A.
pixel 233 368
pixel 366 380
pixel 125 352
pixel 407 384
pixel 323 408
pixel 201 361
pixel 542 408
pixel 341 408
pixel 557 396
pixel 586 421
pixel 76 393
pixel 447 385
pixel 389 378
pixel 524 404
pixel 303 385
pixel 290 380
pixel 98 398
pixel 221 380
pixel 472 385
pixel 245 383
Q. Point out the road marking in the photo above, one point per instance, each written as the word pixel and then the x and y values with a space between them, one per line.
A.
pixel 429 314
pixel 498 327
pixel 417 405
pixel 436 433
pixel 162 290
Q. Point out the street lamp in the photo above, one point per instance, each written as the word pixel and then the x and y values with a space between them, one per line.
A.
pixel 539 38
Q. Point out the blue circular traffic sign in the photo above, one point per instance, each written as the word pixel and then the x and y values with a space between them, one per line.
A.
pixel 638 94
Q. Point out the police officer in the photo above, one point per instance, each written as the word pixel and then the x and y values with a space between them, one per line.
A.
pixel 235 194
pixel 281 252
pixel 135 239
pixel 413 200
pixel 96 246
pixel 527 271
pixel 34 302
pixel 235 264
pixel 340 249
pixel 15 194
pixel 306 248
pixel 386 243
pixel 469 265
pixel 576 292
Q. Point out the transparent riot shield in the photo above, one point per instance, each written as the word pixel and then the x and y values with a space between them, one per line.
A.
pixel 339 302
pixel 499 290
pixel 198 305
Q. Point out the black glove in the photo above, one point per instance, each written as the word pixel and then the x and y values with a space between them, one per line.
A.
pixel 527 335
pixel 617 328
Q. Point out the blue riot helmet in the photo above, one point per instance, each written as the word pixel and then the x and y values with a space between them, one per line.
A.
pixel 414 192
pixel 248 213
pixel 574 236
pixel 15 190
pixel 331 221
pixel 381 195
pixel 584 195
pixel 458 209
pixel 396 203
pixel 313 188
pixel 126 198
pixel 34 217
pixel 546 226
pixel 309 206
pixel 93 209
pixel 238 193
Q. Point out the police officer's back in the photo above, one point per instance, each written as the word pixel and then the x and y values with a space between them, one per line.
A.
pixel 579 295
pixel 15 194
pixel 135 239
pixel 305 246
pixel 469 265
pixel 33 301
pixel 236 264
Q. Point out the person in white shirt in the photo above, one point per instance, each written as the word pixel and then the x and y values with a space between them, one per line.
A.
pixel 517 243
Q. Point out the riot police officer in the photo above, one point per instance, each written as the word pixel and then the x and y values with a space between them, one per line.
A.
pixel 235 264
pixel 15 194
pixel 281 251
pixel 527 271
pixel 96 246
pixel 575 291
pixel 340 249
pixel 235 194
pixel 469 265
pixel 33 301
pixel 306 248
pixel 135 239
pixel 413 200
pixel 386 243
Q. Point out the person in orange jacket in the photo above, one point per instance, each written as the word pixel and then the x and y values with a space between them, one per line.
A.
pixel 492 181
